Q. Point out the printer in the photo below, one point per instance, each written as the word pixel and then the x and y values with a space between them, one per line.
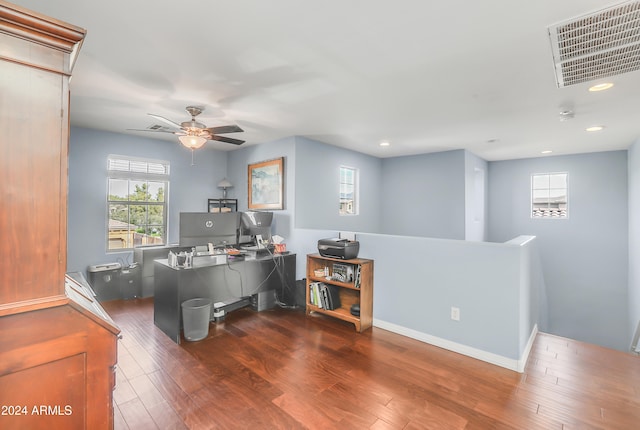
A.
pixel 339 248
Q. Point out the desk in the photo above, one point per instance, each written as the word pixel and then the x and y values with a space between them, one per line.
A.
pixel 145 257
pixel 215 278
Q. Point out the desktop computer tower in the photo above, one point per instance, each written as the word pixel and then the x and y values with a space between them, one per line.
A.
pixel 263 300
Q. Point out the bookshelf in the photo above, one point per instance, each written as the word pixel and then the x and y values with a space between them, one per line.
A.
pixel 355 289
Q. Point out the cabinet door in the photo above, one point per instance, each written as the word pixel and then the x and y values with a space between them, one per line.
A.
pixel 33 189
pixel 58 401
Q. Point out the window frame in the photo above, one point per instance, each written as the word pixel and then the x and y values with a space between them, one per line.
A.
pixel 356 191
pixel 133 175
pixel 549 188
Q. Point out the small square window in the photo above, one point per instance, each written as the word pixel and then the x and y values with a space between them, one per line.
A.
pixel 549 195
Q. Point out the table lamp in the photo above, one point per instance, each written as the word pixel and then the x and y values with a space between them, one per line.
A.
pixel 224 184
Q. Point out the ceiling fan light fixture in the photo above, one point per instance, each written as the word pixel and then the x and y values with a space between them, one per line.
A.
pixel 193 134
pixel 192 142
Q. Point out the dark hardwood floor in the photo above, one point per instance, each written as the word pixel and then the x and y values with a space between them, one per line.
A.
pixel 280 369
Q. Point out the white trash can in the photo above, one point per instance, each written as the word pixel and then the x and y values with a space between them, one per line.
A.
pixel 195 318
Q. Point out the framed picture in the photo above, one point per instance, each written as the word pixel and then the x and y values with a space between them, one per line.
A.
pixel 266 184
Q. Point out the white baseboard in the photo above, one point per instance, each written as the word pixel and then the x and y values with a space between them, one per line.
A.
pixel 498 360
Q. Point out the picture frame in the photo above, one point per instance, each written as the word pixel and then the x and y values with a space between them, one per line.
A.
pixel 266 184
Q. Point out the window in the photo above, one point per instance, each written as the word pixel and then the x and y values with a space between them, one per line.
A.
pixel 136 202
pixel 549 195
pixel 348 191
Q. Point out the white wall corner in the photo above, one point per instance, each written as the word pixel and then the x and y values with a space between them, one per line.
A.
pixel 522 363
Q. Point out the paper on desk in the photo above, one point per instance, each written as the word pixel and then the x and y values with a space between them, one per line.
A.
pixel 277 239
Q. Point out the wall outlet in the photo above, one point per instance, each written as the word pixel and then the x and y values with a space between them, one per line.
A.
pixel 455 313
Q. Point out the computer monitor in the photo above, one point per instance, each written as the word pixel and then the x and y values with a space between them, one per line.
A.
pixel 255 223
pixel 202 228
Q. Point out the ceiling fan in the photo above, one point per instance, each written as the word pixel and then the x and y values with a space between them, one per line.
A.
pixel 194 134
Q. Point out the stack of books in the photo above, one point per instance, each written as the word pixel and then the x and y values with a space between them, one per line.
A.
pixel 357 280
pixel 347 273
pixel 324 296
pixel 342 272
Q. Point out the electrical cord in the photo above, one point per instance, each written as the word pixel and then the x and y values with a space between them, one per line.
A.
pixel 278 266
pixel 239 277
pixel 275 266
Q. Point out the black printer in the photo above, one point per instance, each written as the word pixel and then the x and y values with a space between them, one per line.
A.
pixel 339 248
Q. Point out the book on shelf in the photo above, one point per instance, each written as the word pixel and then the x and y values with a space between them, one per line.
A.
pixel 314 294
pixel 342 272
pixel 332 296
pixel 357 279
pixel 324 296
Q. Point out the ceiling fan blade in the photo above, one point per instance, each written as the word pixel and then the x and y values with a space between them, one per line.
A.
pixel 160 130
pixel 226 140
pixel 168 121
pixel 224 129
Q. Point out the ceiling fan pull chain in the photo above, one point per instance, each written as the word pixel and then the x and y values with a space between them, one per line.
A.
pixel 192 163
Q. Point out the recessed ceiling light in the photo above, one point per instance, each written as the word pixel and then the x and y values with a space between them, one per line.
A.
pixel 547 152
pixel 600 87
pixel 595 128
pixel 384 143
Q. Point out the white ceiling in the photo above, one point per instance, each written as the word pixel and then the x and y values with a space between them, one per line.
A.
pixel 426 76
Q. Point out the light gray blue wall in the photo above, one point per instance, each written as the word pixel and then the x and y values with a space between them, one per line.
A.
pixel 424 195
pixel 475 197
pixel 492 285
pixel 189 188
pixel 584 257
pixel 318 187
pixel 634 237
pixel 237 173
pixel 311 191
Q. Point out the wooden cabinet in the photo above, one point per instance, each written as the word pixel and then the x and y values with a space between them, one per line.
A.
pixel 36 56
pixel 356 288
pixel 57 364
pixel 57 349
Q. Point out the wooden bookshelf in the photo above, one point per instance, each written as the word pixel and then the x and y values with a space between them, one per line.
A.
pixel 358 290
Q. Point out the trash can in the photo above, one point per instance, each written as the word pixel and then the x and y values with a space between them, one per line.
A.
pixel 105 281
pixel 196 314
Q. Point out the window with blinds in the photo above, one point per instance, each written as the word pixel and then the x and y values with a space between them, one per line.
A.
pixel 136 202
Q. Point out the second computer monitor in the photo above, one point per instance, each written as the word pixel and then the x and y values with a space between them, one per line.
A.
pixel 255 223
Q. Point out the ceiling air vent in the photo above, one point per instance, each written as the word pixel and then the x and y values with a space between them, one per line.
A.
pixel 602 44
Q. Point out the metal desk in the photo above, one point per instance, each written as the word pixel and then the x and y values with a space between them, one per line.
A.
pixel 217 278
